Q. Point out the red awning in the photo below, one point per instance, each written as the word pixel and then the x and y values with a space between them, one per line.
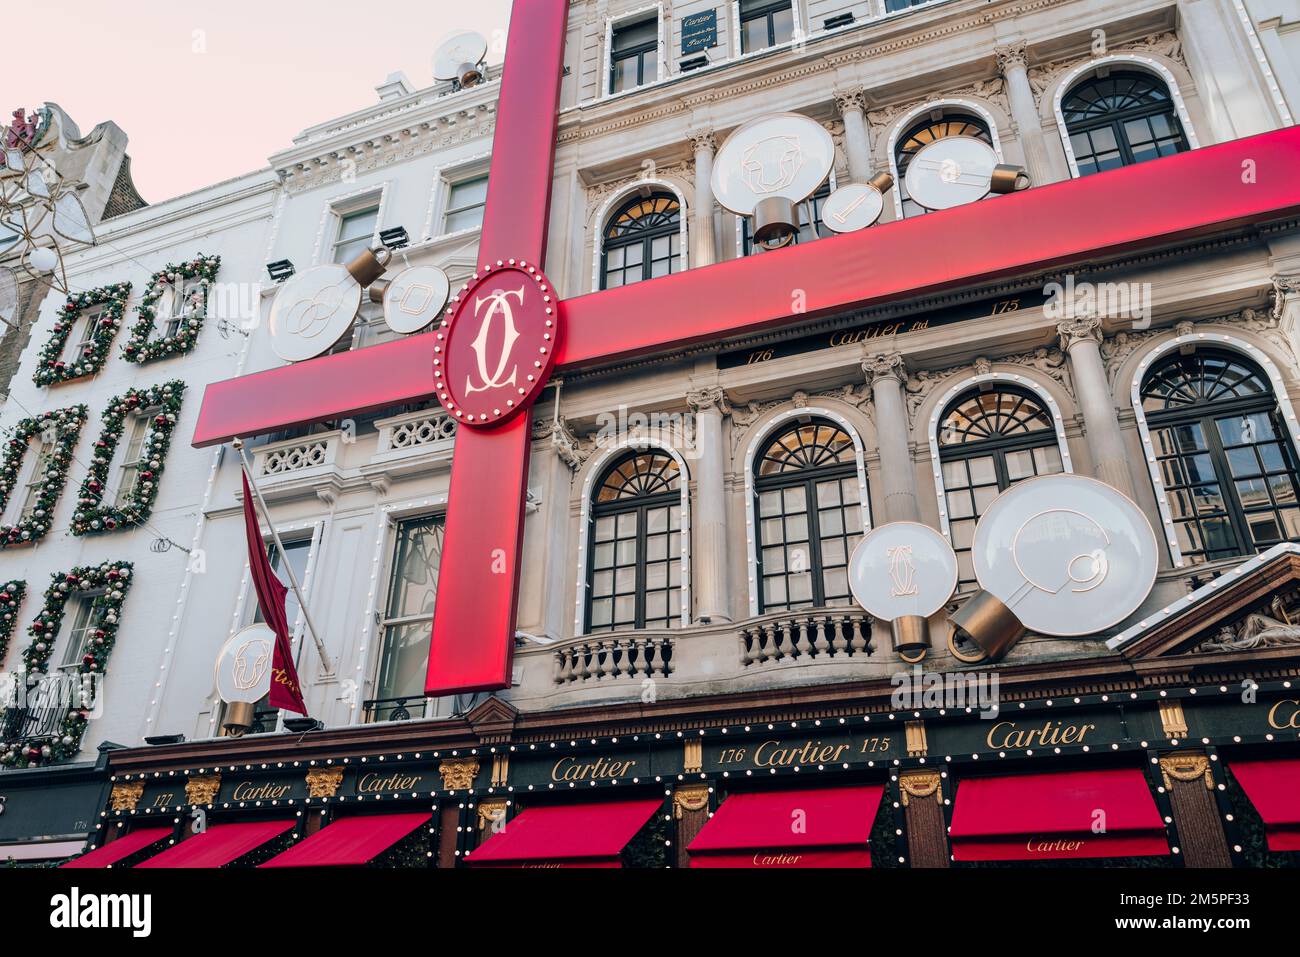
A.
pixel 1273 786
pixel 567 835
pixel 810 827
pixel 1057 814
pixel 122 847
pixel 219 844
pixel 350 841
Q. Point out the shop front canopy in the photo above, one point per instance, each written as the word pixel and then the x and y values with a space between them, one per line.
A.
pixel 1273 786
pixel 809 827
pixel 350 841
pixel 1056 815
pixel 567 835
pixel 219 844
pixel 123 847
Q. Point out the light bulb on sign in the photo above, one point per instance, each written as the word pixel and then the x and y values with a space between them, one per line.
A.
pixel 903 573
pixel 1060 555
pixel 767 166
pixel 957 170
pixel 315 308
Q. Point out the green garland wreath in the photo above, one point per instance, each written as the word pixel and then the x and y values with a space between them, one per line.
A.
pixel 138 348
pixel 93 514
pixel 67 423
pixel 115 579
pixel 50 366
pixel 11 596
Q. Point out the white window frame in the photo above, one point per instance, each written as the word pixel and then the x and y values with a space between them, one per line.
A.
pixel 661 66
pixel 84 327
pixel 121 465
pixel 616 199
pixel 181 305
pixel 75 643
pixel 450 182
pixel 1154 355
pixel 1144 63
pixel 798 33
pixel 30 478
pixel 760 433
pixel 965 383
pixel 338 206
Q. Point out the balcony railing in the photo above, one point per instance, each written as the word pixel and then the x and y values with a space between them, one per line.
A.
pixel 820 635
pixel 615 657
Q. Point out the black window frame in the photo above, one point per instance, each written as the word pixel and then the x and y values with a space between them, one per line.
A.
pixel 643 237
pixel 808 479
pixel 998 448
pixel 1117 120
pixel 765 11
pixel 616 56
pixel 641 505
pixel 1205 415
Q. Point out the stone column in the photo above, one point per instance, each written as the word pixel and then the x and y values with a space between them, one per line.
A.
pixel 887 374
pixel 703 243
pixel 857 137
pixel 1013 61
pixel 1081 342
pixel 1226 74
pixel 709 576
pixel 1189 783
pixel 559 488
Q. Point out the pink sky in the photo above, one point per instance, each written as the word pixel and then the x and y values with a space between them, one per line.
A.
pixel 207 91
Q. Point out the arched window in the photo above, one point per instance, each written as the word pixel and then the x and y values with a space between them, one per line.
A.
pixel 988 441
pixel 634 576
pixel 1119 119
pixel 809 516
pixel 642 240
pixel 925 132
pixel 1224 456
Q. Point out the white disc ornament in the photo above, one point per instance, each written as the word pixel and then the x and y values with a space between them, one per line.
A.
pixel 902 569
pixel 414 298
pixel 951 172
pixel 243 669
pixel 1067 554
pixel 312 311
pixel 782 154
pixel 852 207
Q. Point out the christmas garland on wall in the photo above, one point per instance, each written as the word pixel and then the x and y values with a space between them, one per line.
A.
pixel 50 365
pixel 11 596
pixel 93 514
pixel 172 277
pixel 63 426
pixel 115 580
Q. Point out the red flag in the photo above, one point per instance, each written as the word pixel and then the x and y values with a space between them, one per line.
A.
pixel 285 690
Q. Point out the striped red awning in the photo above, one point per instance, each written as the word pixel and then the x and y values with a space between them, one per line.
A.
pixel 350 841
pixel 219 844
pixel 567 835
pixel 1273 786
pixel 809 827
pixel 1057 814
pixel 122 847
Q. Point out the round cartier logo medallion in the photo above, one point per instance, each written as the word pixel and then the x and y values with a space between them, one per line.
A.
pixel 497 347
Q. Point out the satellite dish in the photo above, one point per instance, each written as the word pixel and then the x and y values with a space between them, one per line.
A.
pixel 460 58
pixel 1060 555
pixel 856 206
pixel 957 170
pixel 768 165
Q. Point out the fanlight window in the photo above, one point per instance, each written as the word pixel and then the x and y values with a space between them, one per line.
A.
pixel 1122 118
pixel 809 516
pixel 988 441
pixel 635 545
pixel 642 240
pixel 1224 456
pixel 924 133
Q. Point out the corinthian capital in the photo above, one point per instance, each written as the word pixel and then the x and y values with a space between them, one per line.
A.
pixel 708 399
pixel 846 100
pixel 1012 55
pixel 702 139
pixel 884 365
pixel 1080 329
pixel 1284 288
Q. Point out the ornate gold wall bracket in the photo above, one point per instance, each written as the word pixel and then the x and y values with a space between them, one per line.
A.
pixel 202 789
pixel 125 796
pixel 919 784
pixel 458 774
pixel 323 782
pixel 1186 767
pixel 692 797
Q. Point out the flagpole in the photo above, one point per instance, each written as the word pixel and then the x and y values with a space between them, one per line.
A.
pixel 288 566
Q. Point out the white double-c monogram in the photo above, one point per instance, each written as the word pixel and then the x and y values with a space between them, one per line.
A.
pixel 498 305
